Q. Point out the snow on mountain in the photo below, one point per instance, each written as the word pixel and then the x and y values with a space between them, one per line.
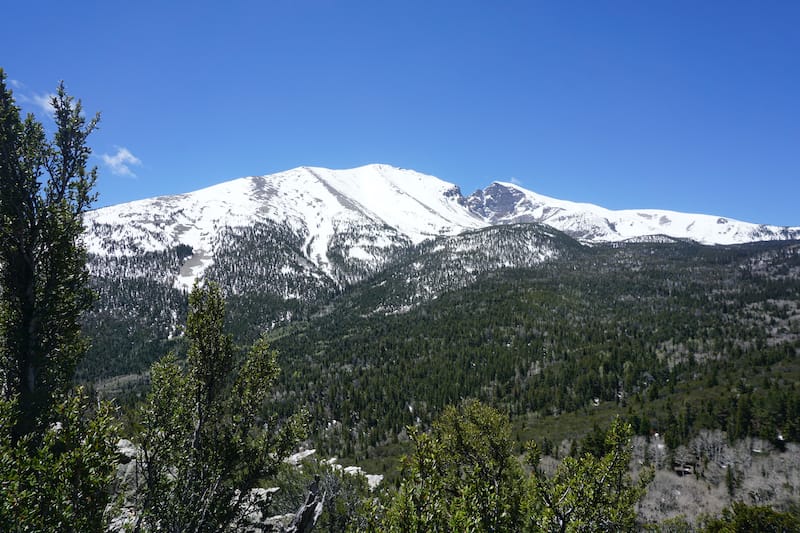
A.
pixel 506 203
pixel 451 262
pixel 362 216
pixel 374 205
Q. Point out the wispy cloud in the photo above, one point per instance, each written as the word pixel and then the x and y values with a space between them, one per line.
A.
pixel 515 181
pixel 40 102
pixel 43 102
pixel 120 163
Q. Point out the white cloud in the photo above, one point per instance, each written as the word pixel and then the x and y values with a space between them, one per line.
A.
pixel 121 162
pixel 516 181
pixel 42 101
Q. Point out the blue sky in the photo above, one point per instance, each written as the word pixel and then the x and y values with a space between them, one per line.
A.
pixel 684 105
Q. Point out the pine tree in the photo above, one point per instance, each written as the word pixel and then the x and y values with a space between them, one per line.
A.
pixel 463 476
pixel 44 191
pixel 206 441
pixel 57 450
pixel 59 479
pixel 589 493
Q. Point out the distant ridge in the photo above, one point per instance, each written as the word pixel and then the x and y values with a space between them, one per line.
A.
pixel 364 215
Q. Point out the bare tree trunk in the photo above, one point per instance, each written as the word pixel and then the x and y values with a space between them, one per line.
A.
pixel 308 514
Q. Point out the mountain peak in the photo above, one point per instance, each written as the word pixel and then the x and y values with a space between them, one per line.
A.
pixel 497 202
pixel 360 215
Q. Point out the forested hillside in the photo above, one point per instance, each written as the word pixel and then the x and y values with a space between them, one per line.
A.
pixel 695 346
pixel 498 377
pixel 679 336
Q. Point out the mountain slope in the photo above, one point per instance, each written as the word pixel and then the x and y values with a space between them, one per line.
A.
pixel 452 262
pixel 308 231
pixel 506 203
pixel 357 216
pixel 318 203
pixel 603 325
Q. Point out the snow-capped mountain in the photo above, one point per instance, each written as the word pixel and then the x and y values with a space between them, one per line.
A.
pixel 506 203
pixel 356 216
pixel 285 246
pixel 344 225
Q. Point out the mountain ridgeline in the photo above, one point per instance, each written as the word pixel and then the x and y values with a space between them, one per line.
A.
pixel 390 295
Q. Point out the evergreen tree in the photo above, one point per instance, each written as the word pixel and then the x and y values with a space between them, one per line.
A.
pixel 57 451
pixel 44 191
pixel 461 477
pixel 589 493
pixel 60 479
pixel 744 518
pixel 464 476
pixel 205 441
